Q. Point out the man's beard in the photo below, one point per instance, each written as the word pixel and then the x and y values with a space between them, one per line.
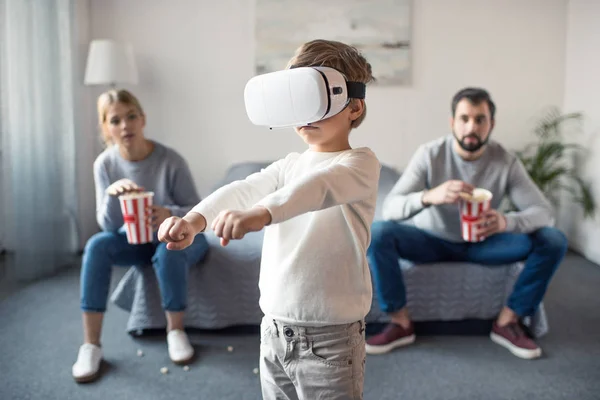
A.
pixel 472 147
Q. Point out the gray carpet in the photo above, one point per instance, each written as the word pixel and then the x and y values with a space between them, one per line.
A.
pixel 40 331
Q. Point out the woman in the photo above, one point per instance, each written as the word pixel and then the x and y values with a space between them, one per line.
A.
pixel 133 163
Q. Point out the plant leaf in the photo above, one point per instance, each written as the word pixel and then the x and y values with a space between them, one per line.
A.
pixel 546 162
pixel 585 197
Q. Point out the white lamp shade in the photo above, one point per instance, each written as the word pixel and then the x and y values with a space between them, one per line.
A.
pixel 109 63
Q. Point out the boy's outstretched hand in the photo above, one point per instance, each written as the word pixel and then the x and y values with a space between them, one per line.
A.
pixel 231 224
pixel 179 233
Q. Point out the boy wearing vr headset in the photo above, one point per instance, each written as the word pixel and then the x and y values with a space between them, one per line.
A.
pixel 317 207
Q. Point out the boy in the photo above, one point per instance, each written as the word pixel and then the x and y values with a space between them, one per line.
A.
pixel 317 208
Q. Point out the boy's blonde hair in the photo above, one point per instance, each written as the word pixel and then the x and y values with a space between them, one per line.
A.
pixel 339 56
pixel 109 98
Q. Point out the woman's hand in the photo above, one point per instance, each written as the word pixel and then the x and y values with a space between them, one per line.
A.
pixel 157 215
pixel 123 186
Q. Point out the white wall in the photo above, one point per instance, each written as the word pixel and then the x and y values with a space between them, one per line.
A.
pixel 194 58
pixel 582 94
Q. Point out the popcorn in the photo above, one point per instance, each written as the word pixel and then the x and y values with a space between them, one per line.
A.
pixel 140 353
pixel 164 370
pixel 186 368
pixel 230 348
pixel 255 370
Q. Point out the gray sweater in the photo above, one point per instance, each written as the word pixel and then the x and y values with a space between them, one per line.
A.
pixel 163 172
pixel 497 170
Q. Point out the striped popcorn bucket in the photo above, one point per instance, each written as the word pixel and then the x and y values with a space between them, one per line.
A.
pixel 471 208
pixel 133 207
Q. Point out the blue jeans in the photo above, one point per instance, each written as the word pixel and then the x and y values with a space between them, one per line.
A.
pixel 542 251
pixel 106 249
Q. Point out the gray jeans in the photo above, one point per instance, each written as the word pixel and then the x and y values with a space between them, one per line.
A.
pixel 311 363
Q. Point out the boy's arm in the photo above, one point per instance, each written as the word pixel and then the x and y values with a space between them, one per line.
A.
pixel 353 179
pixel 242 194
pixel 534 209
pixel 406 197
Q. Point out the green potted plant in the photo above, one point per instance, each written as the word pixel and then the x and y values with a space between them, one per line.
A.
pixel 550 160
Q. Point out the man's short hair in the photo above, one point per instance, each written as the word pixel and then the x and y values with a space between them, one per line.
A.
pixel 476 96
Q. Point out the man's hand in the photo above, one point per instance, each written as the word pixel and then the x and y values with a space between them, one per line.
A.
pixel 157 215
pixel 490 223
pixel 179 233
pixel 232 224
pixel 447 193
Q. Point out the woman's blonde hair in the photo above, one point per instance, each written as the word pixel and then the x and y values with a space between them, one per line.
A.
pixel 109 98
pixel 339 56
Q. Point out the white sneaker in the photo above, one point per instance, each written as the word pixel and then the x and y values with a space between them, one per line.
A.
pixel 180 349
pixel 87 366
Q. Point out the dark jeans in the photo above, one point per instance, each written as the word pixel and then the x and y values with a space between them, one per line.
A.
pixel 542 251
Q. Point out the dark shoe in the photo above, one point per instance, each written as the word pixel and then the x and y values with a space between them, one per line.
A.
pixel 517 339
pixel 392 336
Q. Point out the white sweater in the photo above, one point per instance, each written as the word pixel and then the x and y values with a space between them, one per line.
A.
pixel 314 269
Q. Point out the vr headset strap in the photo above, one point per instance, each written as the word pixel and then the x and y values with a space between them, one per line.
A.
pixel 356 90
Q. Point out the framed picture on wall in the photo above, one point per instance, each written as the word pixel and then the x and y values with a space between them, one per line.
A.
pixel 380 29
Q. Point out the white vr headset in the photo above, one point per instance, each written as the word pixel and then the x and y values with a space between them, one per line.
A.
pixel 298 96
